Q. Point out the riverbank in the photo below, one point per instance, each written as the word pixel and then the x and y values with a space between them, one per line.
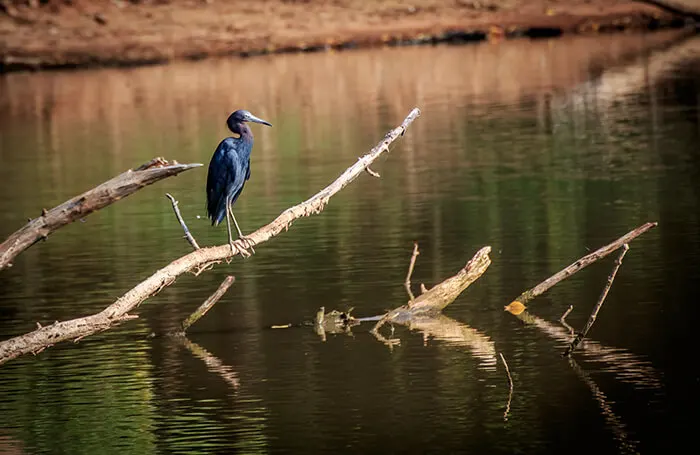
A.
pixel 115 33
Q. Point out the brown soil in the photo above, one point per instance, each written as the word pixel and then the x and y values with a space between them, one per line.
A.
pixel 75 33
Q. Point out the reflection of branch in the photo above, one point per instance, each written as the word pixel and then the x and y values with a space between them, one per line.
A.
pixel 213 363
pixel 82 205
pixel 210 302
pixel 599 304
pixel 563 322
pixel 188 234
pixel 407 283
pixel 614 422
pixel 391 342
pixel 510 383
pixel 565 273
pixel 624 365
pixel 163 277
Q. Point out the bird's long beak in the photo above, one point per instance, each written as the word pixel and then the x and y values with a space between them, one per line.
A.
pixel 252 118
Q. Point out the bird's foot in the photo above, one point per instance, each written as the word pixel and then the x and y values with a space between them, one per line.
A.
pixel 247 242
pixel 241 247
pixel 237 247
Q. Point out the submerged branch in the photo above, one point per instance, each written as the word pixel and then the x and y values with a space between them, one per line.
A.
pixel 199 259
pixel 585 261
pixel 510 384
pixel 80 206
pixel 210 302
pixel 599 303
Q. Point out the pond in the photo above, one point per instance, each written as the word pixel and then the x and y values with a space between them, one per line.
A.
pixel 544 150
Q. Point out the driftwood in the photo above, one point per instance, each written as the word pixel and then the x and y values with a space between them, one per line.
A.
pixel 433 301
pixel 599 304
pixel 199 259
pixel 80 206
pixel 585 261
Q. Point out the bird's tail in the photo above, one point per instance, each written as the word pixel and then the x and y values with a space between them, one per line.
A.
pixel 216 212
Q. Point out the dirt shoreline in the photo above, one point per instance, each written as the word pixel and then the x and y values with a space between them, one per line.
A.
pixel 81 33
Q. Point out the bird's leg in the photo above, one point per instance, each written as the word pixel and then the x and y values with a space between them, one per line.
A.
pixel 230 237
pixel 239 244
pixel 234 247
pixel 245 240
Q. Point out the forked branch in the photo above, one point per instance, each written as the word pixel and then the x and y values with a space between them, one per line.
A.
pixel 599 304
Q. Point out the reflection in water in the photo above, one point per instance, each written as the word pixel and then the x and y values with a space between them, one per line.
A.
pixel 446 329
pixel 533 147
pixel 626 445
pixel 625 366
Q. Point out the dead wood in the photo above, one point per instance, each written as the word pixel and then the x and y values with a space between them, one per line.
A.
pixel 434 300
pixel 585 261
pixel 599 304
pixel 188 235
pixel 210 302
pixel 80 206
pixel 196 260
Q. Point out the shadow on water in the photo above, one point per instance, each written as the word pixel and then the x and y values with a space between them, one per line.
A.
pixel 541 149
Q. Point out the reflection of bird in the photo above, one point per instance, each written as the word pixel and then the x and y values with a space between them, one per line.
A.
pixel 229 169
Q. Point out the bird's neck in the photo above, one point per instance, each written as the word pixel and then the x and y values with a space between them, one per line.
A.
pixel 242 130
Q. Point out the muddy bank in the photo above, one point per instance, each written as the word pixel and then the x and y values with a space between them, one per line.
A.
pixel 78 33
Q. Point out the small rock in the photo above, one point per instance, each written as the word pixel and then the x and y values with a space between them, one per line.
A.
pixel 100 19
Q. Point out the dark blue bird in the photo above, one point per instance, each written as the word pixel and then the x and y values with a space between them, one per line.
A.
pixel 229 169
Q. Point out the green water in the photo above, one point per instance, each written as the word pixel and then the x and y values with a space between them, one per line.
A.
pixel 544 150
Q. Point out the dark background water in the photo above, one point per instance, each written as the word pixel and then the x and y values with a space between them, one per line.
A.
pixel 544 150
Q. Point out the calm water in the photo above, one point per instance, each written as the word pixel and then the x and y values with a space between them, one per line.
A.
pixel 544 150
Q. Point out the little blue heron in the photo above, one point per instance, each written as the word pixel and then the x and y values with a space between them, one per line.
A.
pixel 229 169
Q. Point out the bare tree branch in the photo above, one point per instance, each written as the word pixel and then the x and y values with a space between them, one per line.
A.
pixel 80 206
pixel 585 261
pixel 599 303
pixel 188 235
pixel 438 297
pixel 210 302
pixel 69 330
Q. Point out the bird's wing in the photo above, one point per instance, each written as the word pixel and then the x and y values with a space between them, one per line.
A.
pixel 226 176
pixel 247 171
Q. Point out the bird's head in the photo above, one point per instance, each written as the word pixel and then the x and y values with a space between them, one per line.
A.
pixel 241 116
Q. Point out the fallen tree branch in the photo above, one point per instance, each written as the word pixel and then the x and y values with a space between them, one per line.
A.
pixel 80 206
pixel 210 302
pixel 68 330
pixel 432 301
pixel 599 304
pixel 585 261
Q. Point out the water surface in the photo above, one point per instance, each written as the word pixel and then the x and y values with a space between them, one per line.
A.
pixel 544 150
